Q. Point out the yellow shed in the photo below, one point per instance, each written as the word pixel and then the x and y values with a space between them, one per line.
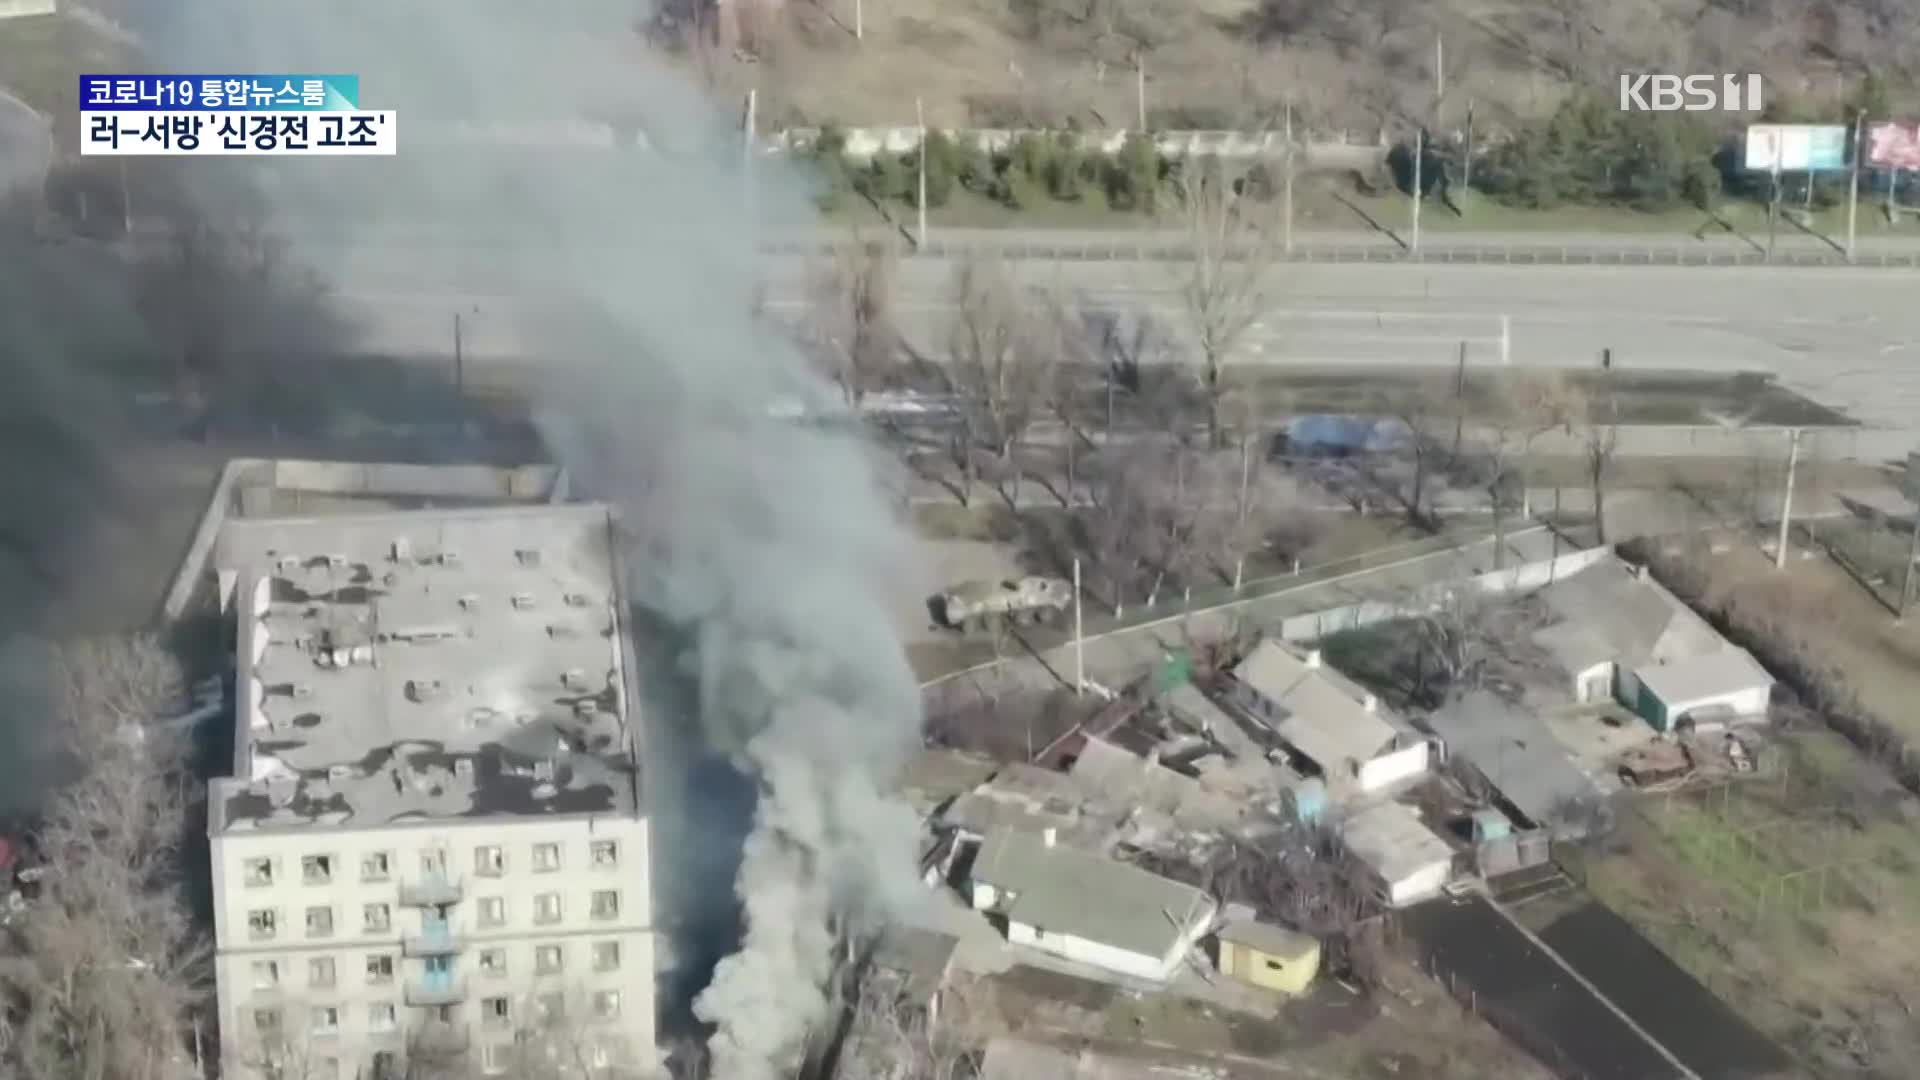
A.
pixel 1268 956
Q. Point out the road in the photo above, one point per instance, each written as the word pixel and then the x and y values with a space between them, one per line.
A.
pixel 1847 338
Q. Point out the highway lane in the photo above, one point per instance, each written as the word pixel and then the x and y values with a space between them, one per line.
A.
pixel 1845 337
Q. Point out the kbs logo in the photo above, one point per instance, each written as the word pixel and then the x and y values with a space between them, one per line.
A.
pixel 1689 93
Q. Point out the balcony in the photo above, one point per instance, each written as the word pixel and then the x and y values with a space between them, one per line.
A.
pixel 434 941
pixel 430 991
pixel 431 890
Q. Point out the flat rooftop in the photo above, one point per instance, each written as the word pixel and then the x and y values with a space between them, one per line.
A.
pixel 427 665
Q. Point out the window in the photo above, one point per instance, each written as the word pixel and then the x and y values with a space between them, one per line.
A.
pixel 546 858
pixel 316 870
pixel 606 956
pixel 547 960
pixel 606 854
pixel 376 866
pixel 257 872
pixel 1275 965
pixel 546 907
pixel 494 1012
pixel 266 974
pixel 606 903
pixel 377 918
pixel 380 1017
pixel 606 1004
pixel 262 924
pixel 379 969
pixel 320 972
pixel 433 863
pixel 493 962
pixel 493 911
pixel 319 922
pixel 324 1020
pixel 550 1006
pixel 386 1065
pixel 489 861
pixel 266 1021
pixel 494 1058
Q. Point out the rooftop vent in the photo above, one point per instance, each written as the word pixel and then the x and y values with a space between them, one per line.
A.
pixel 574 678
pixel 522 601
pixel 449 557
pixel 584 710
pixel 336 562
pixel 402 549
pixel 463 768
pixel 469 602
pixel 338 773
pixel 562 632
pixel 545 791
pixel 543 770
pixel 578 599
pixel 528 557
pixel 482 717
pixel 301 690
pixel 287 562
pixel 424 690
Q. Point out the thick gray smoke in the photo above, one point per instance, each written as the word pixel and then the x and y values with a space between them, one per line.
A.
pixel 760 549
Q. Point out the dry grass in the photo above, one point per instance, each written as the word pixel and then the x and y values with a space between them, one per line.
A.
pixel 1791 900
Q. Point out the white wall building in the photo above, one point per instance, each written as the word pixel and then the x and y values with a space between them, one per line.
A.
pixel 1410 862
pixel 434 836
pixel 1086 907
pixel 1327 719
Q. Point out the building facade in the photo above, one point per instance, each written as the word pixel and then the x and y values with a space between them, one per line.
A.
pixel 433 841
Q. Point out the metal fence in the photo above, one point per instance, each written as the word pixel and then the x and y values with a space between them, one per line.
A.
pixel 1364 248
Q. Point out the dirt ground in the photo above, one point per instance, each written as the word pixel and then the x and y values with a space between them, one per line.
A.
pixel 1791 899
pixel 1411 1031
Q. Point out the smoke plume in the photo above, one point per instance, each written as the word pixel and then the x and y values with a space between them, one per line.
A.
pixel 760 550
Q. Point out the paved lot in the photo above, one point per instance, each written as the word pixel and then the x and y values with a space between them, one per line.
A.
pixel 1668 1003
pixel 1522 990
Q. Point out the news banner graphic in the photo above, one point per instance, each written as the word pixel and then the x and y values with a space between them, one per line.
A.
pixel 231 115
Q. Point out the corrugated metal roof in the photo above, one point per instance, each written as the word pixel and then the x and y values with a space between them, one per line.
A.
pixel 1514 751
pixel 1620 617
pixel 1061 889
pixel 1393 841
pixel 1327 718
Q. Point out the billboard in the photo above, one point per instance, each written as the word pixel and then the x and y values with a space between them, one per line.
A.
pixel 1893 145
pixel 1796 147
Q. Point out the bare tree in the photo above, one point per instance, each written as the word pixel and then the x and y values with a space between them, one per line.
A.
pixel 1426 453
pixel 1001 366
pixel 852 328
pixel 896 1035
pixel 1224 286
pixel 1598 412
pixel 101 972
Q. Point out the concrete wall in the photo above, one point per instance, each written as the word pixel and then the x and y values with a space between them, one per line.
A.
pixel 1419 885
pixel 1338 150
pixel 350 945
pixel 1394 767
pixel 437 481
pixel 1314 625
pixel 1139 965
pixel 13 9
pixel 1751 701
pixel 1283 974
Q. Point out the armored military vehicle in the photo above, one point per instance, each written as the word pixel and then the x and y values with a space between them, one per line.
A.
pixel 975 605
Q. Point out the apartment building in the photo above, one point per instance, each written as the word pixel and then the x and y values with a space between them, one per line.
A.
pixel 434 838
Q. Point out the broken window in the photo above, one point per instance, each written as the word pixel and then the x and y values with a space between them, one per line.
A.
pixel 606 1004
pixel 266 1021
pixel 546 858
pixel 316 869
pixel 606 956
pixel 380 1017
pixel 258 872
pixel 320 972
pixel 606 854
pixel 379 969
pixel 377 918
pixel 319 922
pixel 495 1011
pixel 493 911
pixel 489 860
pixel 547 960
pixel 266 974
pixel 262 924
pixel 493 961
pixel 546 908
pixel 606 904
pixel 376 866
pixel 326 1020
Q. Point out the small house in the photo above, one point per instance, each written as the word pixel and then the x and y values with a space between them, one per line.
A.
pixel 1083 906
pixel 1409 861
pixel 1268 956
pixel 1725 684
pixel 1326 719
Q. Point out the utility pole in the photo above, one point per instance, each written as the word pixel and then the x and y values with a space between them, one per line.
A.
pixel 1911 488
pixel 749 132
pixel 1287 194
pixel 921 117
pixel 1466 161
pixel 1140 89
pixel 1773 204
pixel 1853 183
pixel 1460 401
pixel 859 20
pixel 1786 499
pixel 459 358
pixel 126 201
pixel 1419 151
pixel 1439 72
pixel 1079 642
